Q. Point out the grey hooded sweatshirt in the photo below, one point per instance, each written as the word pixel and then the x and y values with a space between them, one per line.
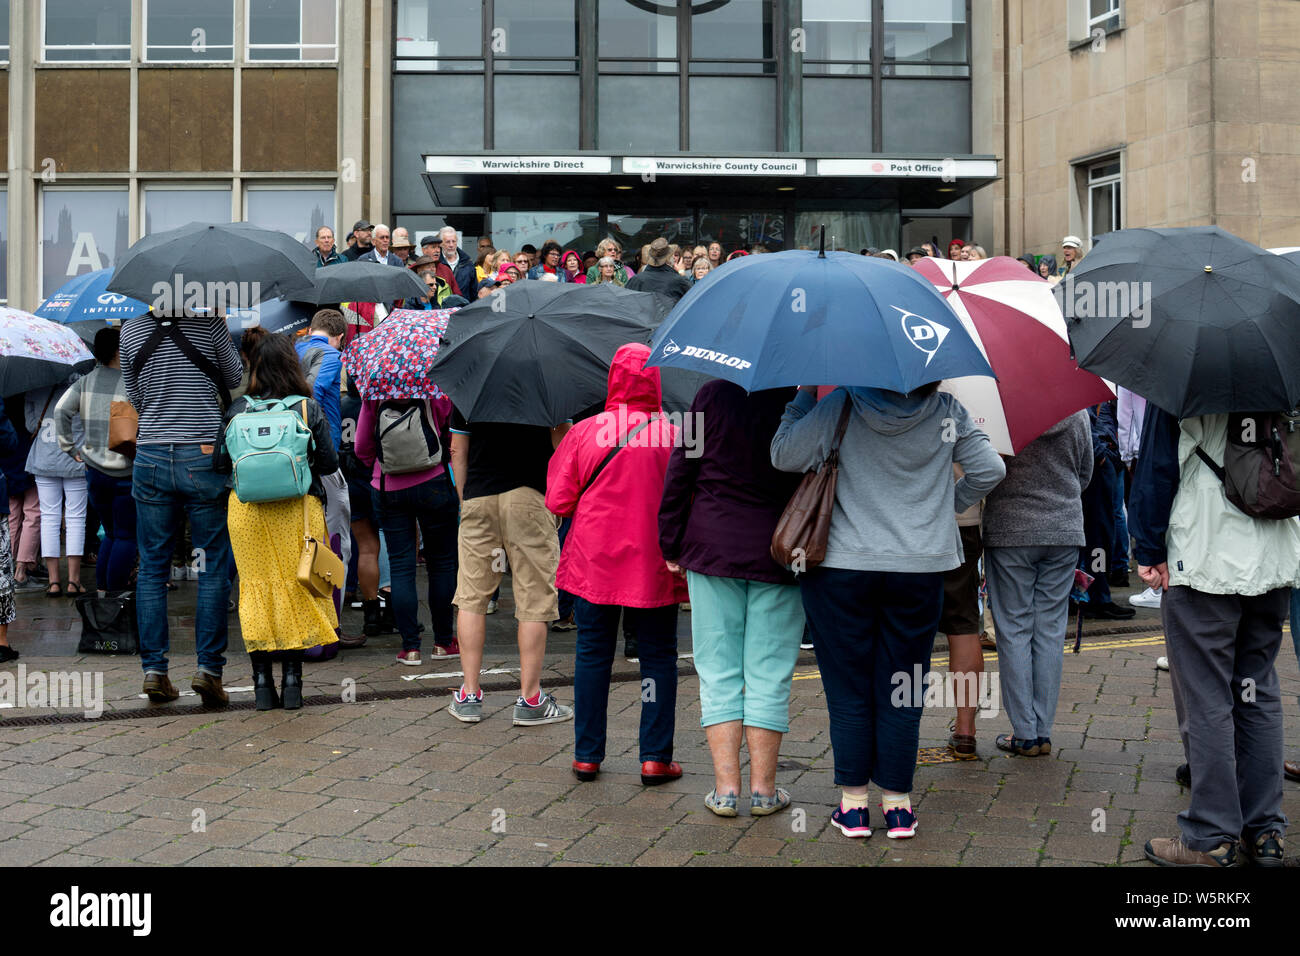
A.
pixel 895 500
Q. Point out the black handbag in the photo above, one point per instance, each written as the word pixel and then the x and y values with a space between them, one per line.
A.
pixel 108 624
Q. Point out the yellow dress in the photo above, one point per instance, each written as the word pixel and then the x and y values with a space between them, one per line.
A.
pixel 276 613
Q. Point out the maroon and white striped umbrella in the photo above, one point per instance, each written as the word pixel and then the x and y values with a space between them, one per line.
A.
pixel 1014 319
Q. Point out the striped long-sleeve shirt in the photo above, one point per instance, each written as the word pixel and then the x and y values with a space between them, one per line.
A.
pixel 176 401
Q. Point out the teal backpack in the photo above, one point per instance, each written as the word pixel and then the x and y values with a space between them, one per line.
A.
pixel 268 444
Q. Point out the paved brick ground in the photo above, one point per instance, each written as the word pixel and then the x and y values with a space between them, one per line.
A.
pixel 401 782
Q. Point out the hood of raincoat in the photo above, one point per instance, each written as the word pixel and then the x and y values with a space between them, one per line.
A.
pixel 891 413
pixel 631 384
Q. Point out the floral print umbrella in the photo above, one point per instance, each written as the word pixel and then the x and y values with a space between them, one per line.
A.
pixel 393 359
pixel 36 352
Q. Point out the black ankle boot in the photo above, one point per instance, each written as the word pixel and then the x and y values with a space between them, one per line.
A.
pixel 387 620
pixel 372 618
pixel 264 684
pixel 291 683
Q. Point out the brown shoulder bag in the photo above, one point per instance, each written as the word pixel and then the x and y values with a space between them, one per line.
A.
pixel 799 542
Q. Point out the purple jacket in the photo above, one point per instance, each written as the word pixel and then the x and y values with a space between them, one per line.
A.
pixel 719 509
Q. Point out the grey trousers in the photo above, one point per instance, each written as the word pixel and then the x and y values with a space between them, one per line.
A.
pixel 338 512
pixel 1222 649
pixel 1029 591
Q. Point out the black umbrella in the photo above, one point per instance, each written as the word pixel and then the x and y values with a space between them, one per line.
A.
pixel 537 353
pixel 206 267
pixel 365 282
pixel 1195 320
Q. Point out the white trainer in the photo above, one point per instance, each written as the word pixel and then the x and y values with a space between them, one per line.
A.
pixel 1148 598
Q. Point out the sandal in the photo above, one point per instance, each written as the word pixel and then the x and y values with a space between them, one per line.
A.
pixel 723 806
pixel 54 590
pixel 962 746
pixel 761 805
pixel 1025 748
pixel 74 589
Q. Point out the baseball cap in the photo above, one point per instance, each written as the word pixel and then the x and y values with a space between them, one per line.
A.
pixel 361 225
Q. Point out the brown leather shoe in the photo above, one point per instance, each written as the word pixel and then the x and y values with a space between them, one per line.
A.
pixel 1291 770
pixel 1164 851
pixel 160 689
pixel 210 690
pixel 347 641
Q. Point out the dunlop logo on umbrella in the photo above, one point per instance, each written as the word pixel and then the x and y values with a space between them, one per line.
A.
pixel 926 334
pixel 722 358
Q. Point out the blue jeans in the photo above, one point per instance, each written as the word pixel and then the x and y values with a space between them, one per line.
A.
pixel 656 631
pixel 432 507
pixel 1119 554
pixel 1099 529
pixel 566 597
pixel 116 509
pixel 870 629
pixel 170 481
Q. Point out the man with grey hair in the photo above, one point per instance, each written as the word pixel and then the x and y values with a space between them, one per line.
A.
pixel 381 238
pixel 461 265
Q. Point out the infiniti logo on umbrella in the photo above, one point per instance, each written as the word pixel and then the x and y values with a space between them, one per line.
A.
pixel 111 298
pixel 926 334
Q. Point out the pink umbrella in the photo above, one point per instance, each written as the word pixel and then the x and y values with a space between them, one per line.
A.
pixel 1014 319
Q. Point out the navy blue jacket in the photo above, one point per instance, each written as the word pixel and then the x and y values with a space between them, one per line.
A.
pixel 1105 432
pixel 1155 483
pixel 466 274
pixel 9 444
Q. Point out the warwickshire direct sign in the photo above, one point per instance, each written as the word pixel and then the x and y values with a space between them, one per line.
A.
pixel 516 164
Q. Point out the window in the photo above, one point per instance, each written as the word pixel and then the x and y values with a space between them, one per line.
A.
pixel 637 38
pixel 1103 14
pixel 1104 209
pixel 4 245
pixel 439 35
pixel 4 33
pixel 298 211
pixel 514 230
pixel 926 38
pixel 82 31
pixel 837 35
pixel 189 31
pixel 735 37
pixel 293 30
pixel 535 35
pixel 82 229
pixel 170 207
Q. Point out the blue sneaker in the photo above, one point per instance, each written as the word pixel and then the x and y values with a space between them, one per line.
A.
pixel 852 822
pixel 901 823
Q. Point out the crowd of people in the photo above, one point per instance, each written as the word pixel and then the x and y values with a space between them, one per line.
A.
pixel 930 526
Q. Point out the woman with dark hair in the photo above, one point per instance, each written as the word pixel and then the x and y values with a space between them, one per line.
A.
pixel 548 262
pixel 873 604
pixel 276 613
pixel 108 473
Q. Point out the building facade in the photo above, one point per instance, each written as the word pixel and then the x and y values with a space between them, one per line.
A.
pixel 746 121
pixel 1128 113
pixel 128 117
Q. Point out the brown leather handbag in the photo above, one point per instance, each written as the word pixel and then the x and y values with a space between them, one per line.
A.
pixel 123 428
pixel 799 541
pixel 320 570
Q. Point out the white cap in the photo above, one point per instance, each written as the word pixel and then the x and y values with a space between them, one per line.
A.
pixel 889 252
pixel 1072 241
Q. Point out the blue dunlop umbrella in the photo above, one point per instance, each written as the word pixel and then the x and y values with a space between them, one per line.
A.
pixel 85 304
pixel 809 318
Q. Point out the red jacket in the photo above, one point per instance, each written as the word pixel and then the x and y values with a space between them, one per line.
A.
pixel 612 555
